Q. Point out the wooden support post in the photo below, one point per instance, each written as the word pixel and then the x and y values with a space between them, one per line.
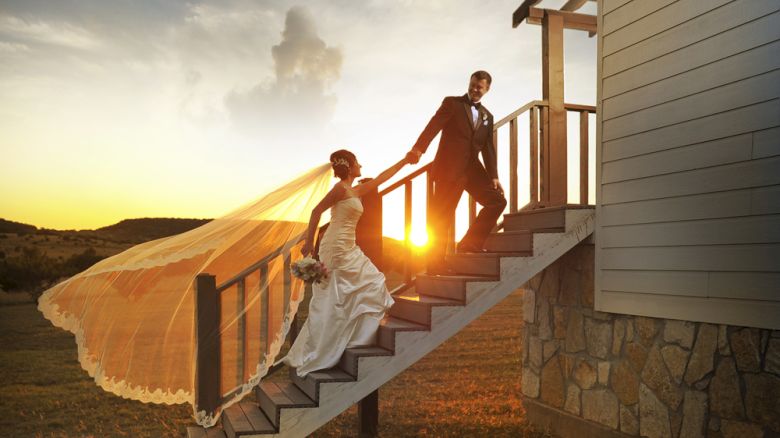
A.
pixel 513 188
pixel 265 291
pixel 544 157
pixel 534 158
pixel 368 414
pixel 243 339
pixel 584 157
pixel 552 92
pixel 408 232
pixel 472 210
pixel 208 362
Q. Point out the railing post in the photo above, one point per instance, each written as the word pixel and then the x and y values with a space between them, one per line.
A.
pixel 552 91
pixel 544 157
pixel 584 157
pixel 472 210
pixel 407 231
pixel 534 158
pixel 368 413
pixel 208 362
pixel 513 166
pixel 243 339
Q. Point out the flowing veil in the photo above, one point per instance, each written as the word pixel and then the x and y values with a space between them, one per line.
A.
pixel 133 314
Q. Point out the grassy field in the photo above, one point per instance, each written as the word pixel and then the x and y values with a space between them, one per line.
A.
pixel 469 386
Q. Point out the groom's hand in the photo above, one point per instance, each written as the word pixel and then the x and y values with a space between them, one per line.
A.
pixel 413 156
pixel 497 185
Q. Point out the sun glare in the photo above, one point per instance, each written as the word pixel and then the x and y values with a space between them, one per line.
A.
pixel 419 237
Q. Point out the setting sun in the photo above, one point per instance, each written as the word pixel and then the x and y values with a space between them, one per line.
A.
pixel 419 237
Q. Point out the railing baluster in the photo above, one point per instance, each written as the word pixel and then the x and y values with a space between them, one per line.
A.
pixel 208 363
pixel 265 290
pixel 544 157
pixel 241 331
pixel 583 157
pixel 407 231
pixel 472 210
pixel 534 158
pixel 513 166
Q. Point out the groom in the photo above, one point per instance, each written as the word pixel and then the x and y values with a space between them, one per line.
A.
pixel 467 130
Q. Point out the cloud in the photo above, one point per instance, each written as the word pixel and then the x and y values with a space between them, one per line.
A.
pixel 297 101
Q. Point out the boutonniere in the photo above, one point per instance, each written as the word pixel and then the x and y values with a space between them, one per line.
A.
pixel 484 119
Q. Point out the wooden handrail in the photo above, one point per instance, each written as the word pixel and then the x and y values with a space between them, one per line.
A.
pixel 578 107
pixel 255 266
pixel 517 113
pixel 405 179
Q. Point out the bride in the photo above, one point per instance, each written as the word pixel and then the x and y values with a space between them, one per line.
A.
pixel 345 311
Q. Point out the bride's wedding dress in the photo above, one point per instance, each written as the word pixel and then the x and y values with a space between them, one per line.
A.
pixel 345 311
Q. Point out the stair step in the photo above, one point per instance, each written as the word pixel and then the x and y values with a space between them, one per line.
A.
pixel 417 308
pixel 349 360
pixel 245 418
pixel 311 383
pixel 451 287
pixel 272 397
pixel 201 432
pixel 390 325
pixel 510 241
pixel 546 219
pixel 486 264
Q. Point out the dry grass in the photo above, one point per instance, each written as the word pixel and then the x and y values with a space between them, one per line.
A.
pixel 469 386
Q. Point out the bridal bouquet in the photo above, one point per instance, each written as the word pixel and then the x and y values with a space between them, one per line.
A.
pixel 309 270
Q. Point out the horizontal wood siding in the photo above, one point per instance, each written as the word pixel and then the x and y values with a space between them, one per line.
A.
pixel 688 160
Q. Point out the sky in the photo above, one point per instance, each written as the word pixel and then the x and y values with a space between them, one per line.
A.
pixel 122 109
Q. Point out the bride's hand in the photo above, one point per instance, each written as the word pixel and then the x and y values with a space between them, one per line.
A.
pixel 307 248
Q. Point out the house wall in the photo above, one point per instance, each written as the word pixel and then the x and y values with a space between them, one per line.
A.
pixel 688 160
pixel 594 374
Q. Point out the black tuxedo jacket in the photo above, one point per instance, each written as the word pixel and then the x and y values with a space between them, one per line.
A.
pixel 461 141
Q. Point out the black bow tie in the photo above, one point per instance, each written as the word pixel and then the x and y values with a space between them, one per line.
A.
pixel 476 105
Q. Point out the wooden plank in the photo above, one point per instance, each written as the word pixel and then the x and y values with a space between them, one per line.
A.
pixel 407 231
pixel 737 94
pixel 696 156
pixel 207 367
pixel 573 5
pixel 745 285
pixel 368 414
pixel 534 158
pixel 513 187
pixel 758 201
pixel 745 313
pixel 766 143
pixel 571 20
pixel 751 258
pixel 739 230
pixel 287 278
pixel 243 338
pixel 544 152
pixel 552 91
pixel 765 200
pixel 730 69
pixel 741 175
pixel 738 121
pixel 611 5
pixel 265 292
pixel 694 32
pixel 472 210
pixel 617 79
pixel 196 432
pixel 630 13
pixel 684 283
pixel 676 13
pixel 235 422
pixel 260 423
pixel 584 157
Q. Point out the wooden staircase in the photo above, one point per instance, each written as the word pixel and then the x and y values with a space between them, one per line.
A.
pixel 421 319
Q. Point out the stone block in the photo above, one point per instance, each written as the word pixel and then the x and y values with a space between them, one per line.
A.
pixel 646 328
pixel 603 372
pixel 572 403
pixel 637 355
pixel 675 359
pixel 694 414
pixel 679 332
pixel 598 337
pixel 567 364
pixel 601 406
pixel 656 377
pixel 723 341
pixel 551 391
pixel 549 349
pixel 618 333
pixel 575 332
pixel 702 358
pixel 551 283
pixel 739 429
pixel 772 361
pixel 745 346
pixel 629 330
pixel 545 326
pixel 762 404
pixel 725 394
pixel 571 287
pixel 530 383
pixel 559 322
pixel 529 305
pixel 653 415
pixel 535 352
pixel 584 374
pixel 629 424
pixel 625 383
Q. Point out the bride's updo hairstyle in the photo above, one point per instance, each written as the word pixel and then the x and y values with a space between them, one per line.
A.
pixel 341 161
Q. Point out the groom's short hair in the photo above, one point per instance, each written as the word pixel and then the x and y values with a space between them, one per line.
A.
pixel 482 74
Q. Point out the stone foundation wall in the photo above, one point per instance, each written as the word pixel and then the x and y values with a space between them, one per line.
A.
pixel 643 376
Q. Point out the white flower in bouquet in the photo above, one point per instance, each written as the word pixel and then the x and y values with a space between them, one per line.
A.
pixel 309 270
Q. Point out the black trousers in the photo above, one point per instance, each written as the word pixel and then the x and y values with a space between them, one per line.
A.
pixel 446 194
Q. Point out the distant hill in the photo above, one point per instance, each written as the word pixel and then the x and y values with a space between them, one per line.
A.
pixel 7 226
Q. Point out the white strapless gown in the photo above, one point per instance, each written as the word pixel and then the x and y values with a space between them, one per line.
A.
pixel 344 312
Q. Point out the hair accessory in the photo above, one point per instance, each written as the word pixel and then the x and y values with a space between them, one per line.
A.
pixel 340 161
